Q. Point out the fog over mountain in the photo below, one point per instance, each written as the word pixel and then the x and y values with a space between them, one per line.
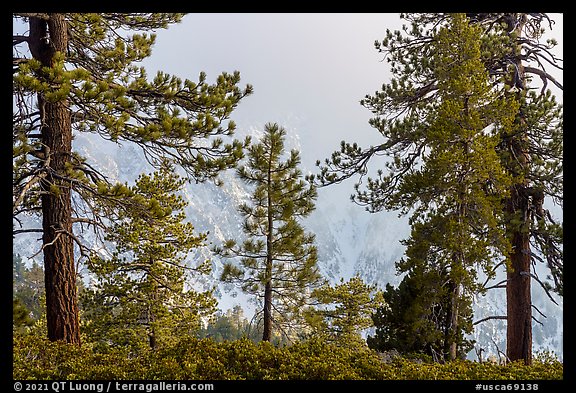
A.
pixel 350 240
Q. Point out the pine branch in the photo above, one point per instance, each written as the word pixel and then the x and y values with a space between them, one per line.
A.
pixel 18 39
pixel 18 231
pixel 537 321
pixel 58 234
pixel 500 317
pixel 544 76
pixel 37 15
pixel 495 286
pixel 539 312
pixel 506 358
pixel 541 284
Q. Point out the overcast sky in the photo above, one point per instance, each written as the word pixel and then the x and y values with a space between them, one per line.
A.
pixel 309 71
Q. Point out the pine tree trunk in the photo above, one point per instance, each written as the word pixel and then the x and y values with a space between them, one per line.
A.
pixel 518 295
pixel 268 287
pixel 451 328
pixel 269 259
pixel 455 294
pixel 266 336
pixel 47 38
pixel 152 322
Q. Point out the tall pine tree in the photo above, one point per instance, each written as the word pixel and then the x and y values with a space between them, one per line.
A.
pixel 531 152
pixel 278 258
pixel 457 190
pixel 142 295
pixel 78 73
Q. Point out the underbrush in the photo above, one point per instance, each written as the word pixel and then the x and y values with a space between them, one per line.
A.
pixel 203 359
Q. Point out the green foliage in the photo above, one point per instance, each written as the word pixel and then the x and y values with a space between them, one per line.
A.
pixel 20 315
pixel 28 287
pixel 228 326
pixel 84 67
pixel 454 186
pixel 413 320
pixel 278 258
pixel 488 57
pixel 344 310
pixel 204 359
pixel 166 115
pixel 141 295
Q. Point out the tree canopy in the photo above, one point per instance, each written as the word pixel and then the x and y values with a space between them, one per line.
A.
pixel 78 73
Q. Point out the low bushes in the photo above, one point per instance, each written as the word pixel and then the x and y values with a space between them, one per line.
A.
pixel 204 359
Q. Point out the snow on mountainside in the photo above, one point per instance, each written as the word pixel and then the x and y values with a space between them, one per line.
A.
pixel 350 240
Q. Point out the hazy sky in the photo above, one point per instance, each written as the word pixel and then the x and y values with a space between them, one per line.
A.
pixel 309 71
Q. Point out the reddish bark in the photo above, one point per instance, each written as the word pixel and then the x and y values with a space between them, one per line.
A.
pixel 47 37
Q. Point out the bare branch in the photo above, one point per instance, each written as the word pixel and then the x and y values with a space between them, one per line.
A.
pixel 539 312
pixel 499 285
pixel 47 244
pixel 479 353
pixel 88 221
pixel 38 15
pixel 502 317
pixel 35 179
pixel 506 358
pixel 84 251
pixel 544 76
pixel 17 231
pixel 541 284
pixel 18 39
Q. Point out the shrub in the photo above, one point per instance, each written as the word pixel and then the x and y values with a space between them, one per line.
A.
pixel 203 359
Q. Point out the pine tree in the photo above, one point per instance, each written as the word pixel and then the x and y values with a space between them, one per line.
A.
pixel 28 287
pixel 530 152
pixel 344 310
pixel 230 326
pixel 141 297
pixel 415 317
pixel 533 155
pixel 278 258
pixel 78 73
pixel 457 191
pixel 20 315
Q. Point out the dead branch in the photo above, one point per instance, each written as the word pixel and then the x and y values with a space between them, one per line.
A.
pixel 502 317
pixel 498 285
pixel 58 234
pixel 544 76
pixel 35 179
pixel 538 311
pixel 479 353
pixel 18 39
pixel 17 231
pixel 506 358
pixel 541 284
pixel 38 15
